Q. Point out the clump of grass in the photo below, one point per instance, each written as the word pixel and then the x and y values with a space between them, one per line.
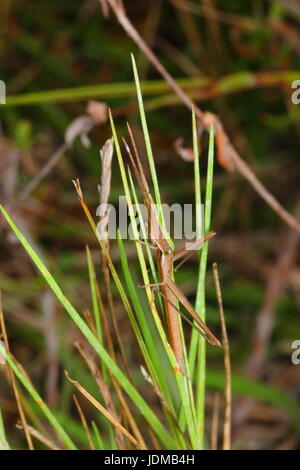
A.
pixel 127 419
pixel 172 387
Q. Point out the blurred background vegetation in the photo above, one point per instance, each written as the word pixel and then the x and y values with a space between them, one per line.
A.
pixel 70 46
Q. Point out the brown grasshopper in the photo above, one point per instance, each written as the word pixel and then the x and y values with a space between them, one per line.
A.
pixel 170 292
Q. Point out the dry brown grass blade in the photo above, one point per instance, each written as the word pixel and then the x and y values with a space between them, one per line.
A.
pixel 104 191
pixel 157 391
pixel 90 321
pixel 138 167
pixel 13 381
pixel 227 364
pixel 106 329
pixel 106 154
pixel 127 413
pixel 48 305
pixel 215 422
pixel 227 155
pixel 40 437
pixel 102 410
pixel 106 394
pixel 103 388
pixel 84 422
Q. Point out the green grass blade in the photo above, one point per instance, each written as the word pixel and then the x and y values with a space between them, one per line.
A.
pixel 146 133
pixel 106 91
pixel 199 227
pixel 98 442
pixel 225 85
pixel 96 309
pixel 149 152
pixel 148 352
pixel 200 297
pixel 198 212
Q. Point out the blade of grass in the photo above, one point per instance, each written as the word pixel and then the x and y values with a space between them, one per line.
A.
pixel 84 422
pixel 97 438
pixel 199 226
pixel 106 393
pixel 200 296
pixel 96 310
pixel 112 90
pixel 228 84
pixel 102 410
pixel 150 152
pixel 40 437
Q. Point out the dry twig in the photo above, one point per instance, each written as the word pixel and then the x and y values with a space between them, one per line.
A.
pixel 84 422
pixel 225 342
pixel 227 155
pixel 40 437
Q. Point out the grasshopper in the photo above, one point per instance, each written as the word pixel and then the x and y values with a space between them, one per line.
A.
pixel 170 291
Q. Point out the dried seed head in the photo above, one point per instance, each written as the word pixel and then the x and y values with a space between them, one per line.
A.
pixel 98 111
